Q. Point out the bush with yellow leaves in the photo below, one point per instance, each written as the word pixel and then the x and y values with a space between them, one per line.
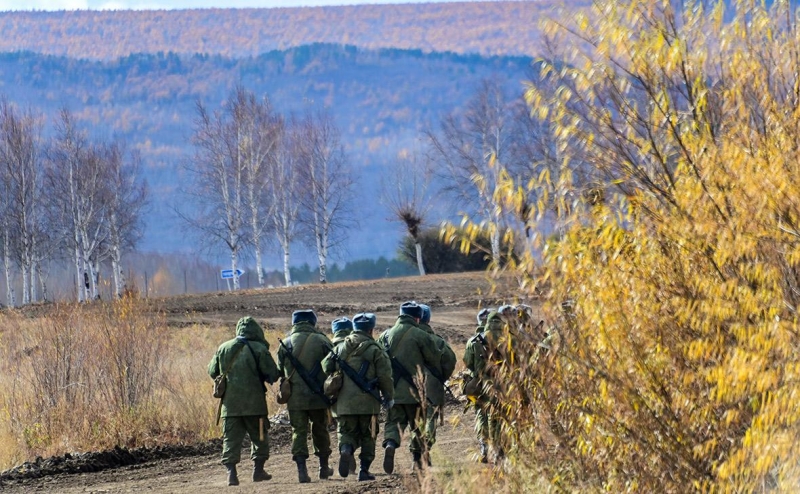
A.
pixel 672 275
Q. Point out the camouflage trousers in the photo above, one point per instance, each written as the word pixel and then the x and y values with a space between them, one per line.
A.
pixel 359 430
pixel 487 427
pixel 233 431
pixel 320 438
pixel 432 415
pixel 400 417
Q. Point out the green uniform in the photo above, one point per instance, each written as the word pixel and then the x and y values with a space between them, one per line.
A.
pixel 478 356
pixel 338 339
pixel 414 349
pixel 244 405
pixel 309 347
pixel 434 388
pixel 357 410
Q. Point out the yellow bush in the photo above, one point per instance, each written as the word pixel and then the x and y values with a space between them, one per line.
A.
pixel 671 275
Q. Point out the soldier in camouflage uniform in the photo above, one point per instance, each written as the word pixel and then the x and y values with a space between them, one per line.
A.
pixel 434 381
pixel 357 409
pixel 246 363
pixel 308 347
pixel 480 351
pixel 341 329
pixel 412 349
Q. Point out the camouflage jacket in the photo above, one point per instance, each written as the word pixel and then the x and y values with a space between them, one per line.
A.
pixel 414 349
pixel 357 349
pixel 245 393
pixel 309 347
pixel 434 387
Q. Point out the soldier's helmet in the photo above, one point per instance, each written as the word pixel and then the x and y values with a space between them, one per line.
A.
pixel 483 314
pixel 412 309
pixel 508 313
pixel 305 315
pixel 340 324
pixel 364 322
pixel 426 314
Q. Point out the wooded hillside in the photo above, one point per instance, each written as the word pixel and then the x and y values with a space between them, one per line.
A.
pixel 487 28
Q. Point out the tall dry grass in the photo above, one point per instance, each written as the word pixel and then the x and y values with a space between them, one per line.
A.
pixel 93 377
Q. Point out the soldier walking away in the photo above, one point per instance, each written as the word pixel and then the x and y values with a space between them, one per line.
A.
pixel 435 378
pixel 341 329
pixel 471 352
pixel 299 361
pixel 246 363
pixel 367 383
pixel 483 356
pixel 410 350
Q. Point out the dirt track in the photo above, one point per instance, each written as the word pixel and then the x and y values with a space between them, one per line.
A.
pixel 196 468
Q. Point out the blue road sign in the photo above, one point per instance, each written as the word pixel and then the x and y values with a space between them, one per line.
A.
pixel 227 274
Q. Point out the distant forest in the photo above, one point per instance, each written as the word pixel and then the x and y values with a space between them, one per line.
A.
pixel 486 28
pixel 382 100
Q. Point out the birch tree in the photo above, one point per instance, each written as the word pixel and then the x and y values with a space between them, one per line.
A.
pixel 127 197
pixel 217 177
pixel 21 159
pixel 254 125
pixel 284 181
pixel 5 231
pixel 472 149
pixel 326 184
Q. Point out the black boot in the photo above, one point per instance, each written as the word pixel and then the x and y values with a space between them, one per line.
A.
pixel 345 459
pixel 233 478
pixel 484 452
pixel 388 456
pixel 302 471
pixel 417 461
pixel 258 470
pixel 364 473
pixel 324 470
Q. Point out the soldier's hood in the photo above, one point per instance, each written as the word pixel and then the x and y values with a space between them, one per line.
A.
pixel 426 327
pixel 248 328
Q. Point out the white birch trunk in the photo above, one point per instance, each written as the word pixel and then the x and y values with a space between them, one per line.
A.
pixel 287 272
pixel 10 299
pixel 79 274
pixel 42 281
pixel 418 248
pixel 26 282
pixel 234 266
pixel 119 275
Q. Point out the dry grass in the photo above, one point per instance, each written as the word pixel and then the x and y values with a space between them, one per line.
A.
pixel 93 377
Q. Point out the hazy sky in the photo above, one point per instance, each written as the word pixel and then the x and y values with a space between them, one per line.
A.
pixel 173 4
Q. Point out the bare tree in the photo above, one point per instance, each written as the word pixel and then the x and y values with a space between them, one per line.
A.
pixel 21 159
pixel 284 181
pixel 77 183
pixel 127 197
pixel 406 195
pixel 5 231
pixel 254 125
pixel 217 177
pixel 473 149
pixel 326 182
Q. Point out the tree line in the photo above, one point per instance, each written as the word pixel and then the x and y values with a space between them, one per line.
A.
pixel 64 198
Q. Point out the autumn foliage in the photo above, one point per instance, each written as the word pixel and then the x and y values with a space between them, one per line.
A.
pixel 671 269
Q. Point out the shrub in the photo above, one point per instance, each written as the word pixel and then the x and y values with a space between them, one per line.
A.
pixel 672 280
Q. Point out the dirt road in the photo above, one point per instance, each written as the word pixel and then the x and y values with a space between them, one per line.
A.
pixel 196 469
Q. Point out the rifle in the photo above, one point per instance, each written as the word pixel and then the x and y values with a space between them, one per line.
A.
pixel 312 383
pixel 399 371
pixel 358 377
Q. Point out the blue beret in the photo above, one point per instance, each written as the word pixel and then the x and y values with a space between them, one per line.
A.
pixel 340 324
pixel 306 315
pixel 483 314
pixel 364 321
pixel 426 314
pixel 411 309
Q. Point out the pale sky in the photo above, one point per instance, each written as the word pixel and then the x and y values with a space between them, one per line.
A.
pixel 177 4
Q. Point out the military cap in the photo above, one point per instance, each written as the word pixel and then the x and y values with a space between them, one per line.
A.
pixel 412 309
pixel 364 321
pixel 306 315
pixel 426 314
pixel 340 324
pixel 482 315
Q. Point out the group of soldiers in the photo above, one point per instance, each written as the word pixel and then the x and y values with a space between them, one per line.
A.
pixel 350 377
